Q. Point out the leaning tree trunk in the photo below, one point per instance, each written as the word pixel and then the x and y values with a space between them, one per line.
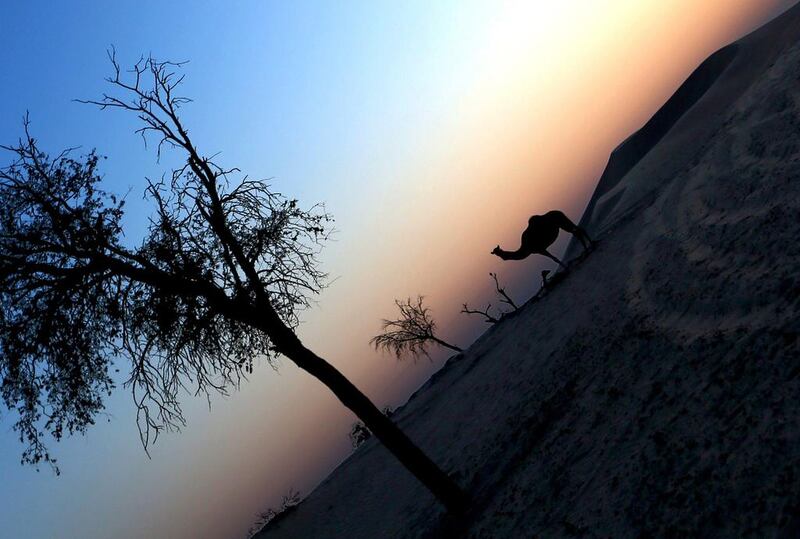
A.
pixel 446 344
pixel 394 439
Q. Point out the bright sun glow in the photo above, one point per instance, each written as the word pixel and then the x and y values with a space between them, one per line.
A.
pixel 521 29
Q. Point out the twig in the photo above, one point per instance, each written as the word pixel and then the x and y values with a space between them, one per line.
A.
pixel 485 313
pixel 504 298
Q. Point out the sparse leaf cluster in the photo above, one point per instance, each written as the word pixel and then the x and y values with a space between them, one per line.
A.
pixel 60 318
pixel 359 433
pixel 288 503
pixel 415 329
pixel 412 332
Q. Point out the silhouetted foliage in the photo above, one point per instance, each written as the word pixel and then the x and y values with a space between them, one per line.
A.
pixel 412 332
pixel 74 297
pixel 359 433
pixel 218 280
pixel 60 318
pixel 289 502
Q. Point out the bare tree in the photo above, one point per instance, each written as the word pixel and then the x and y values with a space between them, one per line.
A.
pixel 220 278
pixel 501 292
pixel 486 313
pixel 412 332
pixel 289 503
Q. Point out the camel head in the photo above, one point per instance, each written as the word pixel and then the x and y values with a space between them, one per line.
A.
pixel 496 251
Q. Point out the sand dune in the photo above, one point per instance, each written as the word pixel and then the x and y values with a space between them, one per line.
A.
pixel 628 154
pixel 648 159
pixel 656 390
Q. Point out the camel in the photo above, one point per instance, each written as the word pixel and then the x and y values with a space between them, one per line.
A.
pixel 542 231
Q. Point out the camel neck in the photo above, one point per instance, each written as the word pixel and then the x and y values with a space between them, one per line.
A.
pixel 519 254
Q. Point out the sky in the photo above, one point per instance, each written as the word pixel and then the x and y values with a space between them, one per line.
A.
pixel 431 131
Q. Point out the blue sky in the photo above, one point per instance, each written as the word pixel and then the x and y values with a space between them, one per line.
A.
pixel 284 90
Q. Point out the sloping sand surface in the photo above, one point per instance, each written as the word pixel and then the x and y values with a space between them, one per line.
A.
pixel 655 391
pixel 628 154
pixel 648 159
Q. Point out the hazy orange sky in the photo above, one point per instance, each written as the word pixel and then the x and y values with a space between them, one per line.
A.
pixel 432 133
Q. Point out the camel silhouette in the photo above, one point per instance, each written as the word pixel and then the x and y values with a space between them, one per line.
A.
pixel 542 231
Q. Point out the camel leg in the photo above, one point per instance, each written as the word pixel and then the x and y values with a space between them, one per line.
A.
pixel 548 255
pixel 565 224
pixel 584 237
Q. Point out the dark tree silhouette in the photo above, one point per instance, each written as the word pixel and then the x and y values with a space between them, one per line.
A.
pixel 486 313
pixel 219 279
pixel 289 503
pixel 412 332
pixel 501 292
pixel 359 433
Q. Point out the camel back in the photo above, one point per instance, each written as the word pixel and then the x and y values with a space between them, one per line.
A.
pixel 556 218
